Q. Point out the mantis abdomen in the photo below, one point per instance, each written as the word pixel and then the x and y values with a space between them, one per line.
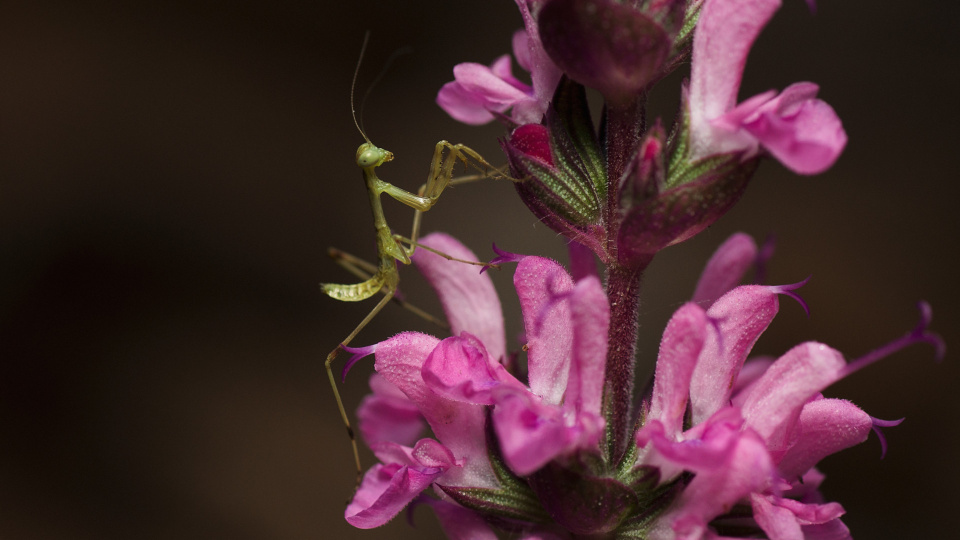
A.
pixel 354 292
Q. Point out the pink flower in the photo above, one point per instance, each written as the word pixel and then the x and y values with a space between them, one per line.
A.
pixel 451 381
pixel 718 431
pixel 802 132
pixel 756 430
pixel 479 93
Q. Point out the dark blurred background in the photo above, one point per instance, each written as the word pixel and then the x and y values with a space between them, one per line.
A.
pixel 172 173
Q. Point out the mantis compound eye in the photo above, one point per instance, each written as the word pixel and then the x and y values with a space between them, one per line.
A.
pixel 371 156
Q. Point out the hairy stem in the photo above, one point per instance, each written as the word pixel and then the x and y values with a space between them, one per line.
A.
pixel 623 291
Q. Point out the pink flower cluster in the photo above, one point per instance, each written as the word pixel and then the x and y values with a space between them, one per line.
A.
pixel 802 132
pixel 748 432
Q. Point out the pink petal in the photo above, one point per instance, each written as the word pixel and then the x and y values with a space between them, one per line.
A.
pixel 385 490
pixel 774 403
pixel 590 317
pixel 739 317
pixel 779 523
pixel 725 32
pixel 459 369
pixel 469 299
pixel 464 105
pixel 521 49
pixel 540 283
pixel 811 513
pixel 483 82
pixel 712 493
pixel 543 72
pixel 531 433
pixel 679 349
pixel 387 415
pixel 826 427
pixel 459 426
pixel 708 452
pixel 807 137
pixel 583 262
pixel 725 268
pixel 502 69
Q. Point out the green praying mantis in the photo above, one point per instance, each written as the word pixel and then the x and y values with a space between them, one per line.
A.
pixel 393 249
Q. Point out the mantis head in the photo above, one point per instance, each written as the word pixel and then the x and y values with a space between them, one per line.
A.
pixel 369 155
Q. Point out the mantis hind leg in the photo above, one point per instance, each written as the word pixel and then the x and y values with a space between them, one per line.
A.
pixel 413 244
pixel 388 295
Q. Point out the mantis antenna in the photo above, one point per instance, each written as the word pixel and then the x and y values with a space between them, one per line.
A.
pixel 353 87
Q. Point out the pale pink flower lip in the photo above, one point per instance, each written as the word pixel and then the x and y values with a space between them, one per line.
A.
pixel 802 132
pixel 479 94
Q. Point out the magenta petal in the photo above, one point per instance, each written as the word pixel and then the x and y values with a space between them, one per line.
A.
pixel 826 427
pixel 679 349
pixel 469 299
pixel 739 317
pixel 539 282
pixel 459 369
pixel 725 268
pixel 459 426
pixel 387 415
pixel 385 490
pixel 531 433
pixel 774 403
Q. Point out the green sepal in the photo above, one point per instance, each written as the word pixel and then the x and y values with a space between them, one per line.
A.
pixel 573 187
pixel 573 138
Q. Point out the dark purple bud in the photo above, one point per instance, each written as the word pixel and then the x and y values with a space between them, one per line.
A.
pixel 684 210
pixel 612 47
pixel 560 165
pixel 645 174
pixel 533 141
